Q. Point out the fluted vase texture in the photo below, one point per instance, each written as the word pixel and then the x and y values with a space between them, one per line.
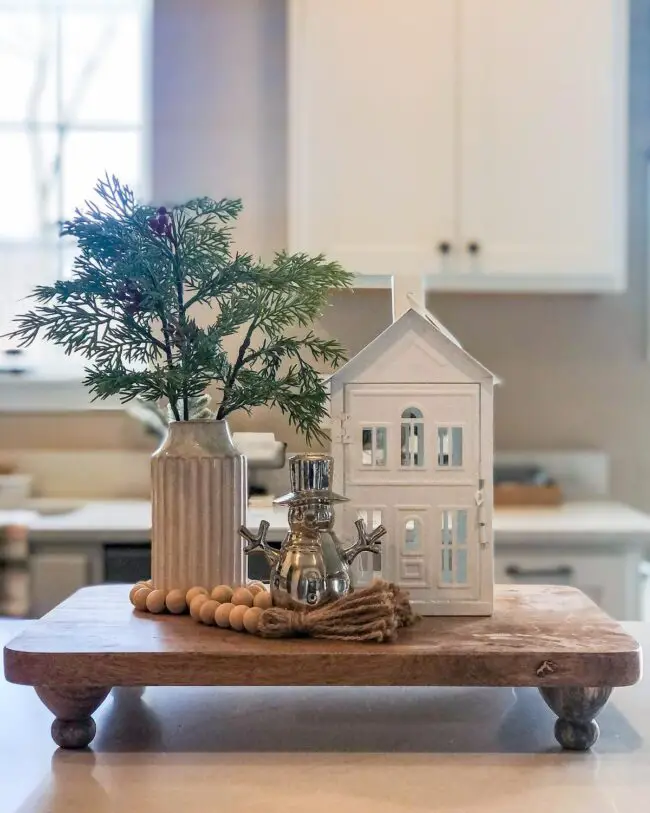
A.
pixel 199 499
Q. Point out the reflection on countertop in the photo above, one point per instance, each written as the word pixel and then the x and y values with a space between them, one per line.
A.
pixel 395 749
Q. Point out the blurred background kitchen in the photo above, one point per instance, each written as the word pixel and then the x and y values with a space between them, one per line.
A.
pixel 508 141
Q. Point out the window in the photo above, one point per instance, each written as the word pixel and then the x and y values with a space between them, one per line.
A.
pixel 454 547
pixel 412 535
pixel 412 438
pixel 450 446
pixel 374 446
pixel 71 108
pixel 370 563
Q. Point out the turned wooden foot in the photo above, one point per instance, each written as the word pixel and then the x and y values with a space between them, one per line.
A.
pixel 73 727
pixel 576 708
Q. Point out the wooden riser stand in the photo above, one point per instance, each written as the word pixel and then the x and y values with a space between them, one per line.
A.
pixel 551 637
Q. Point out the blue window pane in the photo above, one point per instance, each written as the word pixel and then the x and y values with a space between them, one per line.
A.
pixel 101 65
pixel 28 64
pixel 405 456
pixel 381 446
pixel 446 528
pixel 461 527
pixel 447 568
pixel 461 566
pixel 29 170
pixel 87 156
pixel 456 446
pixel 412 412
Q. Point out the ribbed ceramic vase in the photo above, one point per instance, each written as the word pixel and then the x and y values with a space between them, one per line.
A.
pixel 198 504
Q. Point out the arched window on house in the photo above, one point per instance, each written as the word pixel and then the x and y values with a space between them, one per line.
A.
pixel 412 437
pixel 413 534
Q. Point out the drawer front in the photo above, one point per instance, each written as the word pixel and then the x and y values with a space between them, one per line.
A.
pixel 600 576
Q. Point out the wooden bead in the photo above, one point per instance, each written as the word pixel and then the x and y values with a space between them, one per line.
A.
pixel 252 619
pixel 149 583
pixel 194 591
pixel 254 589
pixel 263 601
pixel 140 598
pixel 242 596
pixel 134 590
pixel 222 615
pixel 237 616
pixel 222 594
pixel 195 606
pixel 207 611
pixel 156 601
pixel 175 602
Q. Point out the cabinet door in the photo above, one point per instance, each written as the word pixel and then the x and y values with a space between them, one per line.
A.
pixel 55 576
pixel 542 157
pixel 610 580
pixel 371 143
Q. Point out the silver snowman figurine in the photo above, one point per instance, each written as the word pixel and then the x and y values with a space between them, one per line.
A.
pixel 312 567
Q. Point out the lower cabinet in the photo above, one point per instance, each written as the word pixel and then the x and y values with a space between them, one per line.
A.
pixel 612 579
pixel 54 575
pixel 56 570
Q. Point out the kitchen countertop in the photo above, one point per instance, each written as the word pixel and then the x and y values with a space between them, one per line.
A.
pixel 352 750
pixel 130 521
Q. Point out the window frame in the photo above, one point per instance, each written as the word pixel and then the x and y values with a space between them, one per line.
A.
pixel 373 426
pixel 449 427
pixel 45 364
pixel 411 423
pixel 418 519
pixel 453 548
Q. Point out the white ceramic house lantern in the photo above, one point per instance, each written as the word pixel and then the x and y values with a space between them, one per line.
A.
pixel 412 442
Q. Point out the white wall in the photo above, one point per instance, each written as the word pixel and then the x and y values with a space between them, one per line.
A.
pixel 574 367
pixel 219 109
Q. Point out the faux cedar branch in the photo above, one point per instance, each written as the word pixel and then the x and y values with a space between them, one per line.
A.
pixel 140 273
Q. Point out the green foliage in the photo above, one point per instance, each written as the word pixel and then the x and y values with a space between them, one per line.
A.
pixel 138 277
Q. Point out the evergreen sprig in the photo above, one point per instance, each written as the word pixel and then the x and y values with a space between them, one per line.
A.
pixel 130 306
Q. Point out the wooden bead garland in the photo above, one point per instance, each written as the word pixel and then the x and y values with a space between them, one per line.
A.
pixel 237 608
pixel 372 613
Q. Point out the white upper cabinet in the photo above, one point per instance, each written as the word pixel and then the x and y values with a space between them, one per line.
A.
pixel 542 165
pixel 372 136
pixel 482 143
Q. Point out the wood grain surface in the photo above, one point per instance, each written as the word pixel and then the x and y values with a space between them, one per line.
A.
pixel 538 636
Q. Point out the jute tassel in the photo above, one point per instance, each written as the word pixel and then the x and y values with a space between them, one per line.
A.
pixel 372 613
